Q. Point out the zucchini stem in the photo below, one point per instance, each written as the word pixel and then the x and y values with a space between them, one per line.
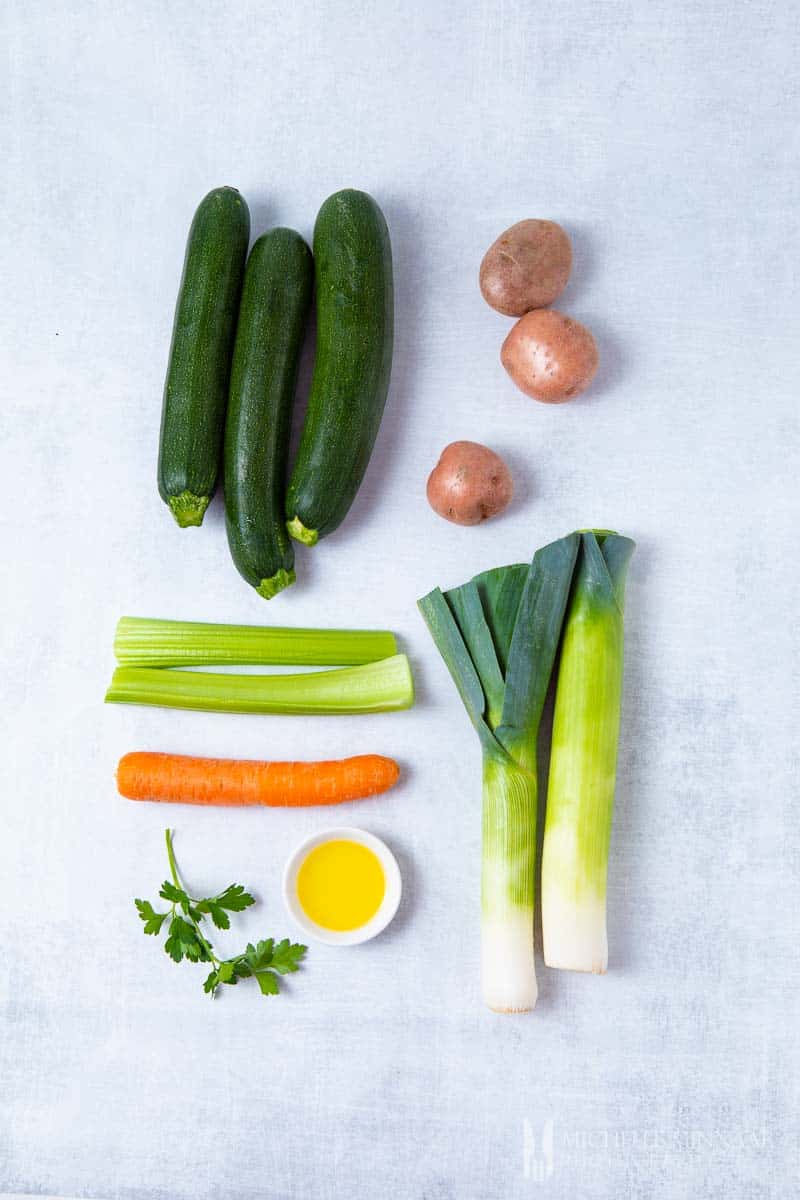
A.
pixel 297 530
pixel 188 509
pixel 280 580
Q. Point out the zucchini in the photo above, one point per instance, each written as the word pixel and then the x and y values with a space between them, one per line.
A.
pixel 353 269
pixel 276 296
pixel 196 390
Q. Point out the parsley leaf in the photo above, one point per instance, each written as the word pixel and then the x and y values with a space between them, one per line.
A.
pixel 259 956
pixel 152 920
pixel 216 912
pixel 266 961
pixel 183 942
pixel 267 982
pixel 234 898
pixel 169 891
pixel 287 957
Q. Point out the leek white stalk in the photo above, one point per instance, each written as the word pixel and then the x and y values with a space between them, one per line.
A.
pixel 583 759
pixel 508 972
pixel 498 635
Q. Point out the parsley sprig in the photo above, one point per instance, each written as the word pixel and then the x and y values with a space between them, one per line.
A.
pixel 264 962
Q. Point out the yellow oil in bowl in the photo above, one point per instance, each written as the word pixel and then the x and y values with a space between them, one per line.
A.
pixel 341 885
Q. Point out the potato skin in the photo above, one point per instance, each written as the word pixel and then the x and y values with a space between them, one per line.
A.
pixel 526 267
pixel 549 356
pixel 469 484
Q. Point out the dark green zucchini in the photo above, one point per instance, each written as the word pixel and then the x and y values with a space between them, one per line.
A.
pixel 196 391
pixel 353 269
pixel 275 300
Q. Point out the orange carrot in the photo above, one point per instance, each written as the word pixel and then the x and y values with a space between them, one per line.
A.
pixel 180 779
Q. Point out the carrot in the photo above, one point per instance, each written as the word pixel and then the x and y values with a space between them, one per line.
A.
pixel 180 779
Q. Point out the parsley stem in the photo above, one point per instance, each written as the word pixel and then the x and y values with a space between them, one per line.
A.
pixel 173 866
pixel 206 945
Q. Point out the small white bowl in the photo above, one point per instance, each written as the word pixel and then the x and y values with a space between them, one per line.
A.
pixel 388 906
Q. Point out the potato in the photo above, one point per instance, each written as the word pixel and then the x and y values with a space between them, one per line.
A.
pixel 527 267
pixel 550 356
pixel 469 483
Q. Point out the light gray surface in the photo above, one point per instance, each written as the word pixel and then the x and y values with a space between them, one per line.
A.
pixel 664 136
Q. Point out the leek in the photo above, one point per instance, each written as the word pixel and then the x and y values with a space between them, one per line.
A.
pixel 383 686
pixel 498 635
pixel 145 642
pixel 580 794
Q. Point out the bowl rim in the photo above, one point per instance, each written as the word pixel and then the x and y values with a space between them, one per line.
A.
pixel 391 896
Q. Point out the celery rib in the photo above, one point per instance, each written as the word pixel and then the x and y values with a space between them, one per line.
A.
pixel 149 642
pixel 383 686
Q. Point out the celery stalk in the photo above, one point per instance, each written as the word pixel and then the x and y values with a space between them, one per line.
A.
pixel 498 635
pixel 145 642
pixel 383 686
pixel 580 796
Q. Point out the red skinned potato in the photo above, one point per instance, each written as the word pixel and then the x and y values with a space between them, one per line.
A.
pixel 469 484
pixel 549 356
pixel 527 267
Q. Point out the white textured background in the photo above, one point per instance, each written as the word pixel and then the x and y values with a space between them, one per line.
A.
pixel 665 137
